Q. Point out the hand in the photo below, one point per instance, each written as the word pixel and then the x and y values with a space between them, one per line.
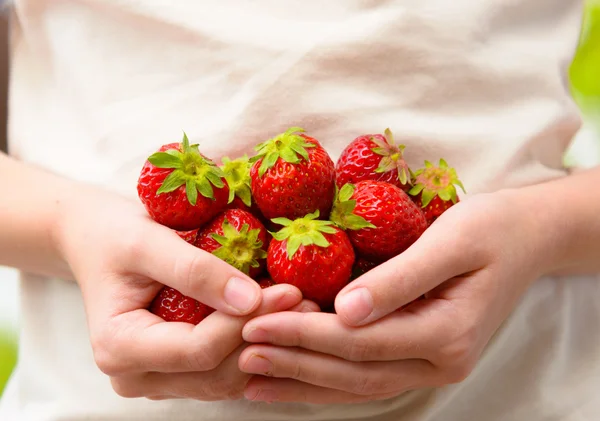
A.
pixel 473 264
pixel 121 259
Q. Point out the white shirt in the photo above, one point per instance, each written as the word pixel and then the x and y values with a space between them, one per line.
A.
pixel 97 85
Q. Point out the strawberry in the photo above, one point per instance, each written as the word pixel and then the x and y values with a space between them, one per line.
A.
pixel 434 189
pixel 188 236
pixel 312 255
pixel 373 157
pixel 237 174
pixel 169 184
pixel 362 266
pixel 266 283
pixel 238 238
pixel 173 306
pixel 380 219
pixel 292 175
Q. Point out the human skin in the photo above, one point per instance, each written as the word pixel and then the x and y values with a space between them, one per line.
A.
pixel 120 259
pixel 473 264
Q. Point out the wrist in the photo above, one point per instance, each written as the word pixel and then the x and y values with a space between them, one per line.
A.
pixel 546 225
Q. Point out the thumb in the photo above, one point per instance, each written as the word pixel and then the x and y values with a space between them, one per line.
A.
pixel 164 257
pixel 438 255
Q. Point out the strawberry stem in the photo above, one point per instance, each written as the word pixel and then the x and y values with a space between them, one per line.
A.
pixel 237 175
pixel 289 146
pixel 432 181
pixel 241 249
pixel 191 169
pixel 342 214
pixel 304 231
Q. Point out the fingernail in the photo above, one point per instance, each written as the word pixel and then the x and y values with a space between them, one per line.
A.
pixel 356 305
pixel 257 364
pixel 265 395
pixel 307 309
pixel 256 335
pixel 241 294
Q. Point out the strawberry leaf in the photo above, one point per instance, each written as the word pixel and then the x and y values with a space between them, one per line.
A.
pixel 205 189
pixel 356 222
pixel 165 160
pixel 237 176
pixel 241 249
pixel 445 195
pixel 191 192
pixel 288 146
pixel 318 239
pixel 416 189
pixel 342 214
pixel 282 221
pixel 426 197
pixel 293 244
pixel 431 181
pixel 306 231
pixel 173 181
pixel 346 192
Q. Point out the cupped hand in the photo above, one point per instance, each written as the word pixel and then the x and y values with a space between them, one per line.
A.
pixel 121 259
pixel 473 264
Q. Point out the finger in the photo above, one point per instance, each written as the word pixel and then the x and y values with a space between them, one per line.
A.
pixel 226 382
pixel 306 306
pixel 161 255
pixel 140 341
pixel 437 256
pixel 401 335
pixel 287 390
pixel 364 378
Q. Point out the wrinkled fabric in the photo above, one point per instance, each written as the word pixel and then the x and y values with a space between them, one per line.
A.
pixel 98 85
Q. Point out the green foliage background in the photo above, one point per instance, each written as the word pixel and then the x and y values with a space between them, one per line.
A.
pixel 585 82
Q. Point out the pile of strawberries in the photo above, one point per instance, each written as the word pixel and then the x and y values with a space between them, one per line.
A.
pixel 290 214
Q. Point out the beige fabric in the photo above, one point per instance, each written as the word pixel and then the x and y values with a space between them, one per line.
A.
pixel 98 84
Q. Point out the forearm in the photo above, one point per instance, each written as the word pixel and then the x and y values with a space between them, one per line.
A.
pixel 28 216
pixel 568 213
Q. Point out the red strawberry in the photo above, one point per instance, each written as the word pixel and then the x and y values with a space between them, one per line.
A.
pixel 373 157
pixel 189 236
pixel 380 219
pixel 312 255
pixel 292 176
pixel 434 189
pixel 238 238
pixel 173 306
pixel 266 283
pixel 362 266
pixel 169 184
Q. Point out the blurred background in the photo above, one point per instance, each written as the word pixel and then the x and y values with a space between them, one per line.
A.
pixel 585 151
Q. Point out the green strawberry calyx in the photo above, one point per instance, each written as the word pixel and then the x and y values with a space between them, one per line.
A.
pixel 191 169
pixel 432 181
pixel 237 175
pixel 393 157
pixel 289 146
pixel 342 214
pixel 241 249
pixel 304 231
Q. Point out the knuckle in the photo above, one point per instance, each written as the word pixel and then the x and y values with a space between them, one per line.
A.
pixel 456 358
pixel 357 349
pixel 203 358
pixel 299 372
pixel 458 373
pixel 106 355
pixel 133 245
pixel 190 272
pixel 222 388
pixel 370 384
pixel 457 350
